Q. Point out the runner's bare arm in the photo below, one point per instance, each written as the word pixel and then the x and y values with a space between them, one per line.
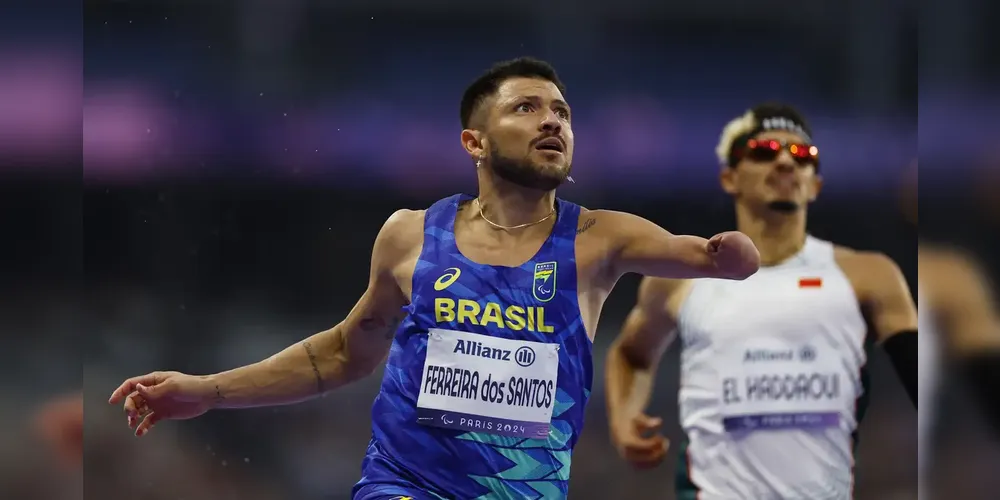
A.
pixel 345 353
pixel 640 246
pixel 964 304
pixel 889 305
pixel 889 301
pixel 636 352
pixel 966 309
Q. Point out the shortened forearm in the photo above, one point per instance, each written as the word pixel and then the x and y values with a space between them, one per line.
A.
pixel 670 256
pixel 300 372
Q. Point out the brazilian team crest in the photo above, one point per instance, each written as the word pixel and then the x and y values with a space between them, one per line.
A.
pixel 544 285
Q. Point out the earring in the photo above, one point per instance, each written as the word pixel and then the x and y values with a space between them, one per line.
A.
pixel 479 162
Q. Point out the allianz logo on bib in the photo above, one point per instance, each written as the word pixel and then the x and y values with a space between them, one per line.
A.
pixel 523 356
pixel 806 353
pixel 765 355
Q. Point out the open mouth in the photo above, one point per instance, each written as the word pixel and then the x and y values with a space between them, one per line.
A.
pixel 551 144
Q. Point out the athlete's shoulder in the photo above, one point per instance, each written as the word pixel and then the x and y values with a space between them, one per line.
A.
pixel 404 224
pixel 865 263
pixel 402 233
pixel 601 214
pixel 945 260
pixel 603 232
pixel 587 220
pixel 961 297
pixel 404 218
pixel 875 277
pixel 949 275
pixel 610 223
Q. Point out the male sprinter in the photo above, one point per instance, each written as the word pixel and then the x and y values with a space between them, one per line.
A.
pixel 771 367
pixel 957 316
pixel 483 395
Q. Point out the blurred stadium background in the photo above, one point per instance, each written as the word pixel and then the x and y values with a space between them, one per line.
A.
pixel 239 158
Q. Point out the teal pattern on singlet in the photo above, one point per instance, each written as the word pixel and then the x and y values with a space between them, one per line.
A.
pixel 405 458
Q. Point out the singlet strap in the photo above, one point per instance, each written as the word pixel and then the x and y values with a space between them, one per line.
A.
pixel 568 222
pixel 439 225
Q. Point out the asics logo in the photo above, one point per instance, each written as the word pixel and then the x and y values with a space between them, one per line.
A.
pixel 450 276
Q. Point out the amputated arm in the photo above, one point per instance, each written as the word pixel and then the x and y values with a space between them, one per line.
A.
pixel 642 247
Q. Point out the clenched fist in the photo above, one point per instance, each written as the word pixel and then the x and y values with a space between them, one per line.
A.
pixel 638 439
pixel 735 254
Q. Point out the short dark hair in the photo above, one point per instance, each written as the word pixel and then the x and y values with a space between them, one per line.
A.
pixel 488 83
pixel 774 109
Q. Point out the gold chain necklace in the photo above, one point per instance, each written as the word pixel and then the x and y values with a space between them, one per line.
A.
pixel 511 228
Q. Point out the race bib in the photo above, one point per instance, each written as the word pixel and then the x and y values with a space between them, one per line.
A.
pixel 486 384
pixel 774 384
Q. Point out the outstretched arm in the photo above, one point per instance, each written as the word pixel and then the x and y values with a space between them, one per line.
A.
pixel 345 353
pixel 631 369
pixel 639 246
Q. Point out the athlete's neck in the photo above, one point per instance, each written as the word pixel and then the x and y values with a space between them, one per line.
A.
pixel 777 235
pixel 508 204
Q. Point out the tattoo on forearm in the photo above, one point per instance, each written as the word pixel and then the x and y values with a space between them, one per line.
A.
pixel 320 386
pixel 587 224
pixel 218 395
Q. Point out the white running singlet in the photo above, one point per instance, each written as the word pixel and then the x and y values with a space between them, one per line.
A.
pixel 771 377
pixel 928 372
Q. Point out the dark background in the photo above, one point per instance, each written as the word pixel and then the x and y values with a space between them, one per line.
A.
pixel 239 158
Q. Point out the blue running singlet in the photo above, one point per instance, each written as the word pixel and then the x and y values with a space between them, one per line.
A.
pixel 485 386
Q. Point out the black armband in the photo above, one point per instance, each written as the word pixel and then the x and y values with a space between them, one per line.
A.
pixel 902 350
pixel 982 373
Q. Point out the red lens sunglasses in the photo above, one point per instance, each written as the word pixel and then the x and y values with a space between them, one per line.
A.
pixel 768 150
